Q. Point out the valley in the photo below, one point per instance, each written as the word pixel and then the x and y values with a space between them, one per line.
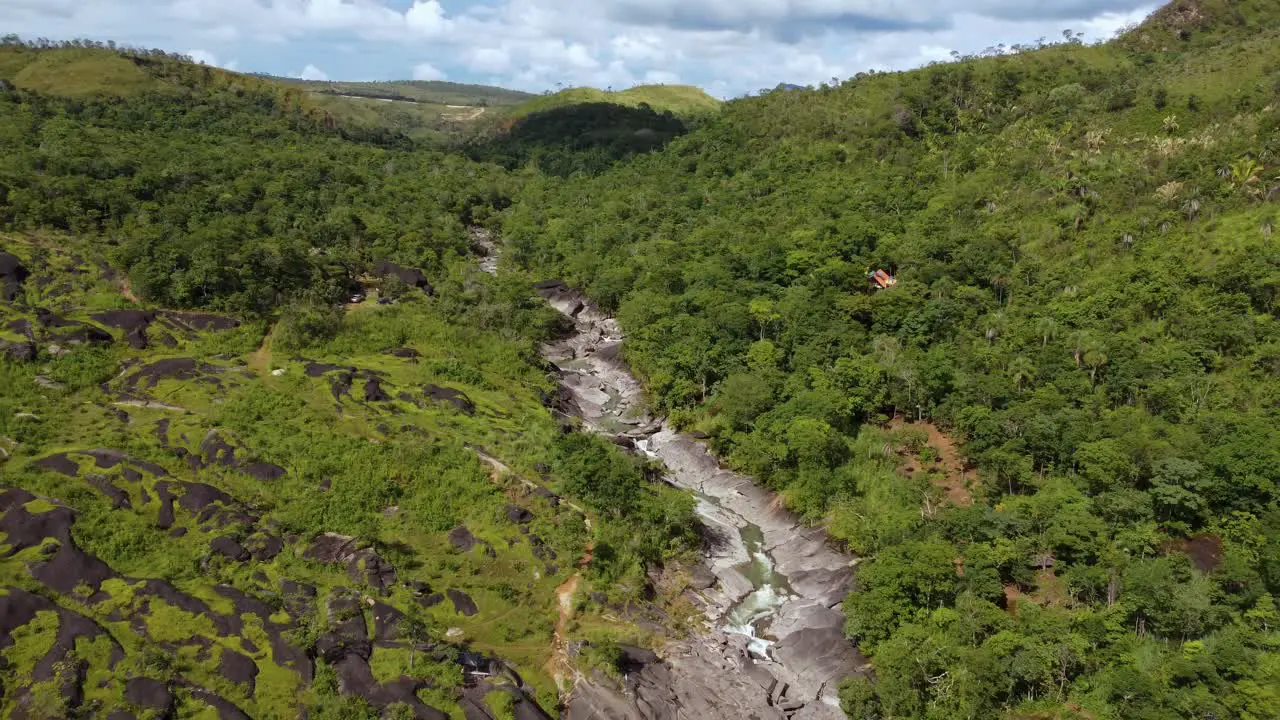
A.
pixel 945 393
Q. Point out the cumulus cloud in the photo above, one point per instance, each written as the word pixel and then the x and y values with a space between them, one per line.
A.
pixel 727 46
pixel 311 72
pixel 204 57
pixel 793 19
pixel 427 71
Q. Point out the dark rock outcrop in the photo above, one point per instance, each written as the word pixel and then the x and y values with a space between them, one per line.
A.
pixel 409 276
pixel 373 391
pixel 462 539
pixel 363 564
pixel 151 694
pixel 462 602
pixel 64 566
pixel 264 471
pixel 19 351
pixel 238 669
pixel 229 548
pixel 12 275
pixel 456 398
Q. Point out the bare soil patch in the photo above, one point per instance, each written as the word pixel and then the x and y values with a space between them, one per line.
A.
pixel 956 474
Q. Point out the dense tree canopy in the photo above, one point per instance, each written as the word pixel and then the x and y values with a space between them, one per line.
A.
pixel 1086 297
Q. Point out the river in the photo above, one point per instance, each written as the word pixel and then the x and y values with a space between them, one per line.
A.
pixel 774 645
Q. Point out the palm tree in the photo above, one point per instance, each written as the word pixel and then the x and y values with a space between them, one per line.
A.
pixel 1080 341
pixel 995 324
pixel 1244 172
pixel 1048 329
pixel 1023 371
pixel 1192 208
pixel 1095 356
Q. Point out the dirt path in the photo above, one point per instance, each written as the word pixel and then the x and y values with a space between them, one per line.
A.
pixel 126 291
pixel 956 473
pixel 497 469
pixel 467 114
pixel 260 360
pixel 559 666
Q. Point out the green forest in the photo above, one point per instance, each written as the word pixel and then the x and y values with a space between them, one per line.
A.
pixel 1086 299
pixel 1053 440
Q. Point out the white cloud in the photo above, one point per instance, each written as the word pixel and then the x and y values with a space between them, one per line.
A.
pixel 727 46
pixel 638 48
pixel 661 77
pixel 427 71
pixel 488 60
pixel 311 72
pixel 427 19
pixel 204 57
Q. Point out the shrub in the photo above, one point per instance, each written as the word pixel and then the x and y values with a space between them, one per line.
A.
pixel 305 324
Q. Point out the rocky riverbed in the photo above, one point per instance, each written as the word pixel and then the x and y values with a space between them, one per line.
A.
pixel 770 589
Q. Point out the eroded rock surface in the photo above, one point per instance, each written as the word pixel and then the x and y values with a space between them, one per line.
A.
pixel 806 654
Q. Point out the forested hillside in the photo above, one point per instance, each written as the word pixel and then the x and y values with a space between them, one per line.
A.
pixel 270 443
pixel 1055 438
pixel 1006 326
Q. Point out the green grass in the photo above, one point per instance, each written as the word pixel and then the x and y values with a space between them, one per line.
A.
pixel 433 92
pixel 75 73
pixel 679 99
pixel 376 456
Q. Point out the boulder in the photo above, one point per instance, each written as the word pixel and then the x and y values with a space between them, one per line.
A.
pixel 518 515
pixel 12 274
pixel 150 693
pixel 701 577
pixel 363 564
pixel 22 351
pixel 461 538
pixel 456 398
pixel 263 471
pixel 229 548
pixel 462 602
pixel 409 276
pixel 373 391
pixel 238 668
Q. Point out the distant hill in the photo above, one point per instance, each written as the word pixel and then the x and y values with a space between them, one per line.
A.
pixel 679 99
pixel 425 111
pixel 430 111
pixel 83 72
pixel 589 130
pixel 435 92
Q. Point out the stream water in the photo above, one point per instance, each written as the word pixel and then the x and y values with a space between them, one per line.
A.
pixel 778 583
pixel 751 616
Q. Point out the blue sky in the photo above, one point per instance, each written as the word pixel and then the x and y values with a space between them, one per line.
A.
pixel 729 47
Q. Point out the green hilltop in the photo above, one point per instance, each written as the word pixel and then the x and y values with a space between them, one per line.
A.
pixel 678 99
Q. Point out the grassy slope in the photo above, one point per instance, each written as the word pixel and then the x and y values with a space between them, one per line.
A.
pixel 429 111
pixel 75 73
pixel 397 475
pixel 435 92
pixel 679 99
